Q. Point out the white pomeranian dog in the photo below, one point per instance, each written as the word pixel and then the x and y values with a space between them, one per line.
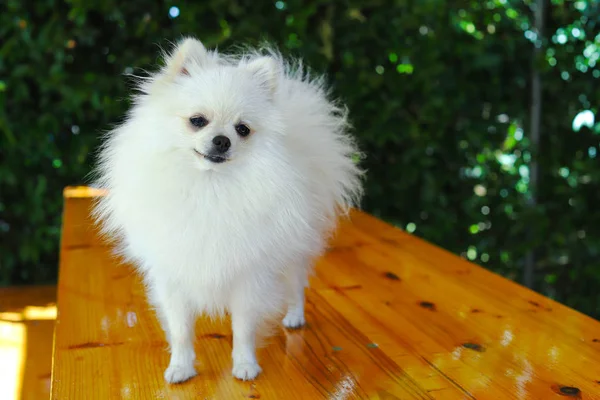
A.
pixel 224 183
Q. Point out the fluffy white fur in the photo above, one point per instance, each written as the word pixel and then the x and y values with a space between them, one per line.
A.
pixel 239 236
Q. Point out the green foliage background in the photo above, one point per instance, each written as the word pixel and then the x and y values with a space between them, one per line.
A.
pixel 439 94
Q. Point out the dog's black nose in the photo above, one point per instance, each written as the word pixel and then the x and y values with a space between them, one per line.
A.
pixel 222 143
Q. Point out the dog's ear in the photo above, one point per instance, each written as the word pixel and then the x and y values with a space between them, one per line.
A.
pixel 266 70
pixel 188 52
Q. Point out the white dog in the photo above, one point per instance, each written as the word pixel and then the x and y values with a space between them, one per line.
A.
pixel 224 183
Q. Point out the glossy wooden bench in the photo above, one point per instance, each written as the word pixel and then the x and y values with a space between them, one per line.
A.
pixel 389 317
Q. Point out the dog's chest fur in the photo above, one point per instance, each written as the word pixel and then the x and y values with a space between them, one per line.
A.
pixel 211 230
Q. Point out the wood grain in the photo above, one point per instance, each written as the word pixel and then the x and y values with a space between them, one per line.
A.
pixel 389 317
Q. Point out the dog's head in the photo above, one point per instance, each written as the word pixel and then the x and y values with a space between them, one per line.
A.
pixel 217 110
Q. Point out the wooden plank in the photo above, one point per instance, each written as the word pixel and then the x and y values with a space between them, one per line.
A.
pixel 27 316
pixel 389 317
pixel 77 227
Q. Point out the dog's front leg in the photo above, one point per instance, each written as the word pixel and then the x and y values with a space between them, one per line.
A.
pixel 177 319
pixel 244 323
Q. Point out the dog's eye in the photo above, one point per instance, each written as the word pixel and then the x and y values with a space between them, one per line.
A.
pixel 199 122
pixel 242 130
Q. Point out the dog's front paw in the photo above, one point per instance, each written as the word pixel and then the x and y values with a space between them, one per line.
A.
pixel 179 373
pixel 246 371
pixel 294 321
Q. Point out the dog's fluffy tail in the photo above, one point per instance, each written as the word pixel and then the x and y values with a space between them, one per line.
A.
pixel 318 129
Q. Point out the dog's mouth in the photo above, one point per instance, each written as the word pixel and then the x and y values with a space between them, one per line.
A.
pixel 211 157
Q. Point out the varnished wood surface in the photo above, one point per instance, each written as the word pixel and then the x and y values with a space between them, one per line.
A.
pixel 389 317
pixel 27 316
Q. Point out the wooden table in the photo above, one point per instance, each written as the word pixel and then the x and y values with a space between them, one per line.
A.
pixel 389 317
